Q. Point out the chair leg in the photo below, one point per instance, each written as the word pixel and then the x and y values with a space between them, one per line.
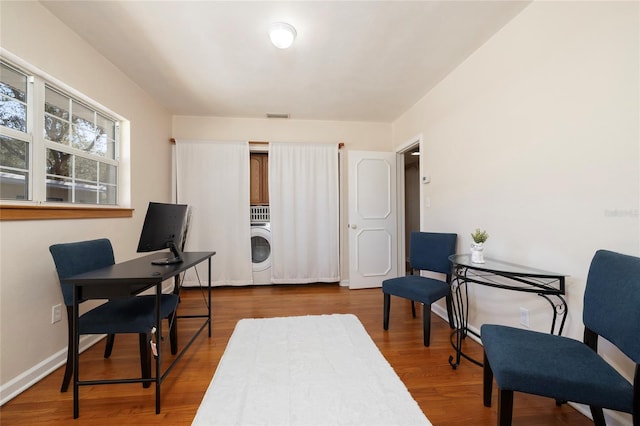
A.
pixel 145 358
pixel 449 301
pixel 387 307
pixel 426 323
pixel 68 370
pixel 487 382
pixel 413 308
pixel 598 416
pixel 505 407
pixel 109 346
pixel 173 333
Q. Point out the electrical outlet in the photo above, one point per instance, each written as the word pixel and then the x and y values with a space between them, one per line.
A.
pixel 524 317
pixel 56 313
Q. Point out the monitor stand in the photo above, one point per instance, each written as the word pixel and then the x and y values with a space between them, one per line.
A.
pixel 177 256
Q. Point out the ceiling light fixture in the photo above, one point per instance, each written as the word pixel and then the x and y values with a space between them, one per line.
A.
pixel 282 35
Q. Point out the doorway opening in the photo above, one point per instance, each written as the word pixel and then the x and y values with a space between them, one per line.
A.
pixel 409 200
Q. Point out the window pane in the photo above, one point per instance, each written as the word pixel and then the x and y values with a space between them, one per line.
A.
pixel 15 81
pixel 14 185
pixel 106 126
pixel 84 132
pixel 105 147
pixel 14 153
pixel 14 169
pixel 59 189
pixel 108 194
pixel 13 97
pixel 58 163
pixel 86 169
pixel 83 135
pixel 13 114
pixel 86 193
pixel 56 104
pixel 56 130
pixel 106 137
pixel 108 174
pixel 83 112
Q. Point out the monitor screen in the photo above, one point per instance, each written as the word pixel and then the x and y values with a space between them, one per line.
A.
pixel 164 227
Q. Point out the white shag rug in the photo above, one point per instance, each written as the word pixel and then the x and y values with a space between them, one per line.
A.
pixel 308 370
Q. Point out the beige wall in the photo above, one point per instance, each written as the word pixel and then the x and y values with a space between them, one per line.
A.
pixel 355 136
pixel 29 343
pixel 536 139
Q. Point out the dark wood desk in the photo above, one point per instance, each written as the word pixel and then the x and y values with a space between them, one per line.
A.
pixel 506 276
pixel 128 279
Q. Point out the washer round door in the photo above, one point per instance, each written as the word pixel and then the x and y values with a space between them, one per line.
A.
pixel 260 248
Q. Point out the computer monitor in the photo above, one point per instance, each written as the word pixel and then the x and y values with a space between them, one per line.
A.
pixel 164 227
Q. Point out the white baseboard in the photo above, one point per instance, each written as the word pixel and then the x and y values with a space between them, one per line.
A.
pixel 24 381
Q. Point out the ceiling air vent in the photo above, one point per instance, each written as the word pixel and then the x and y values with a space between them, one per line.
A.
pixel 277 115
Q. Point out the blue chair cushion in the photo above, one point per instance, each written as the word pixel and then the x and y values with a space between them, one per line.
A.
pixel 129 315
pixel 555 366
pixel 414 287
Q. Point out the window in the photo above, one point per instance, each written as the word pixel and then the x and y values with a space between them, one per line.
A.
pixel 55 146
pixel 14 139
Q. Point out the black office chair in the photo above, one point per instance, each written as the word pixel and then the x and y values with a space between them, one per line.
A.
pixel 566 369
pixel 429 252
pixel 135 314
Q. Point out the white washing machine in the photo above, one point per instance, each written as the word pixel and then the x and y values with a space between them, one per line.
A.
pixel 260 250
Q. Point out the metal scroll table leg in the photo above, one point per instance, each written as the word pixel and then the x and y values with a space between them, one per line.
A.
pixel 558 308
pixel 461 314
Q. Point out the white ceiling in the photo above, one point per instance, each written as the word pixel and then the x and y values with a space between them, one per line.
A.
pixel 352 60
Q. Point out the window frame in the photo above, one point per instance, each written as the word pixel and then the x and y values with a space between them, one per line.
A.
pixel 37 206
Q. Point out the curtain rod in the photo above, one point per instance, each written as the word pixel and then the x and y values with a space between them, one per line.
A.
pixel 340 144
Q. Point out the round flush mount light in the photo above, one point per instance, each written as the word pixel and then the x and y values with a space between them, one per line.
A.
pixel 282 35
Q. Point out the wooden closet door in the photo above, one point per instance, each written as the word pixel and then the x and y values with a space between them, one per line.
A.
pixel 259 176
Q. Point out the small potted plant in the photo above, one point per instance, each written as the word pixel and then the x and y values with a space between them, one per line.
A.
pixel 479 237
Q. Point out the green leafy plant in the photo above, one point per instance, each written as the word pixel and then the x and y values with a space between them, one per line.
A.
pixel 479 236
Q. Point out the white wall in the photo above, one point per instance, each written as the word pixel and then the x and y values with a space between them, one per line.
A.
pixel 355 136
pixel 29 343
pixel 536 139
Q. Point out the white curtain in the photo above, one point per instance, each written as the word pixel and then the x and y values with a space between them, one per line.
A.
pixel 303 194
pixel 213 178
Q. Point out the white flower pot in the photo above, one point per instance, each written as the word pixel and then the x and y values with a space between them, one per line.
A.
pixel 476 252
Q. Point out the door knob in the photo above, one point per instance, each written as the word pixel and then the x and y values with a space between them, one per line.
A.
pixel 354 226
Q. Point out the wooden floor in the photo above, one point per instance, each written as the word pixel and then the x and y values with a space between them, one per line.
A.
pixel 447 396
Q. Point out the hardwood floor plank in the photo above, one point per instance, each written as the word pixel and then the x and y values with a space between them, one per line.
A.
pixel 448 397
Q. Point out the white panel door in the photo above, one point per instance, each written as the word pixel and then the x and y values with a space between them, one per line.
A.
pixel 372 218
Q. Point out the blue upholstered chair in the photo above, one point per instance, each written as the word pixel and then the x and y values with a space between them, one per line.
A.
pixel 566 369
pixel 135 314
pixel 429 251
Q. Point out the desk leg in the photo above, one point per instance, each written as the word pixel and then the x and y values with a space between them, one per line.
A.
pixel 75 325
pixel 209 304
pixel 158 343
